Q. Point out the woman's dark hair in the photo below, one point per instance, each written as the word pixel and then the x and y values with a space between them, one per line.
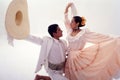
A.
pixel 79 20
pixel 52 29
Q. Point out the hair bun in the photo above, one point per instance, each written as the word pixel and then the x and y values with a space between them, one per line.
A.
pixel 83 20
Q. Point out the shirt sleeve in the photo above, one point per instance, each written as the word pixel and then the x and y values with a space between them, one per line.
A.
pixel 34 39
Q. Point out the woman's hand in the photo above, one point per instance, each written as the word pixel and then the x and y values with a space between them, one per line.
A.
pixel 67 7
pixel 69 4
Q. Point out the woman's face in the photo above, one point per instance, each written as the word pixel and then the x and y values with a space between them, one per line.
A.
pixel 73 24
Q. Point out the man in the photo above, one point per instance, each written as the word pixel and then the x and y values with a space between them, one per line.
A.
pixel 52 54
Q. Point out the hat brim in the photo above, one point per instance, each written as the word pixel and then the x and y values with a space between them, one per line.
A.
pixel 16 21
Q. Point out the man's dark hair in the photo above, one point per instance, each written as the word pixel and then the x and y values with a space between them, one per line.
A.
pixel 52 29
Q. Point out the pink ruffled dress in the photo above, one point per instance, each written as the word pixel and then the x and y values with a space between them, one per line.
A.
pixel 100 61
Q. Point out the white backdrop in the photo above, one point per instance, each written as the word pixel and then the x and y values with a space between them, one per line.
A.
pixel 19 62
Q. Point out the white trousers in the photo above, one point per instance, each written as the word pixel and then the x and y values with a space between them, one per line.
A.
pixel 56 75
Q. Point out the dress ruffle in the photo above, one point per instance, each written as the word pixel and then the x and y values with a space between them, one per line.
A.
pixel 97 62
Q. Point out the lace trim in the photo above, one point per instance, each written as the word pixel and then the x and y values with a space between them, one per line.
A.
pixel 74 38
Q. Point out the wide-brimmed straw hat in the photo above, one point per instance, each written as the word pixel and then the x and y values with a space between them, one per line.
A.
pixel 16 20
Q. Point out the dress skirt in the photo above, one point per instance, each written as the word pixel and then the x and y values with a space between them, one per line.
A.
pixel 97 62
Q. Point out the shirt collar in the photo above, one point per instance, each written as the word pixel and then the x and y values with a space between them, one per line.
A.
pixel 57 41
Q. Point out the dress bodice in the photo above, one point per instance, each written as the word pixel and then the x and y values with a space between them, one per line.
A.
pixel 76 42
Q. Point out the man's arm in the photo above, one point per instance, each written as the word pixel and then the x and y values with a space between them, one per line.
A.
pixel 34 39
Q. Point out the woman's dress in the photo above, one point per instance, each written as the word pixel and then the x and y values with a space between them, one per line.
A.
pixel 100 61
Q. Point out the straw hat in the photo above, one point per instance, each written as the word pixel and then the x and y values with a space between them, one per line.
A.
pixel 16 20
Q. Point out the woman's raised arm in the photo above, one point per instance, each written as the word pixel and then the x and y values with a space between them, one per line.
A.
pixel 74 13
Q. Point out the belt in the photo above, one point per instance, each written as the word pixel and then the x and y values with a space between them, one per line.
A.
pixel 56 66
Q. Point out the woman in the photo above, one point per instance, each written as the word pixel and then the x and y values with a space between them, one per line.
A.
pixel 100 61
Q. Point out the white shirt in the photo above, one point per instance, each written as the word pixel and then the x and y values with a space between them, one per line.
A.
pixel 52 50
pixel 57 52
